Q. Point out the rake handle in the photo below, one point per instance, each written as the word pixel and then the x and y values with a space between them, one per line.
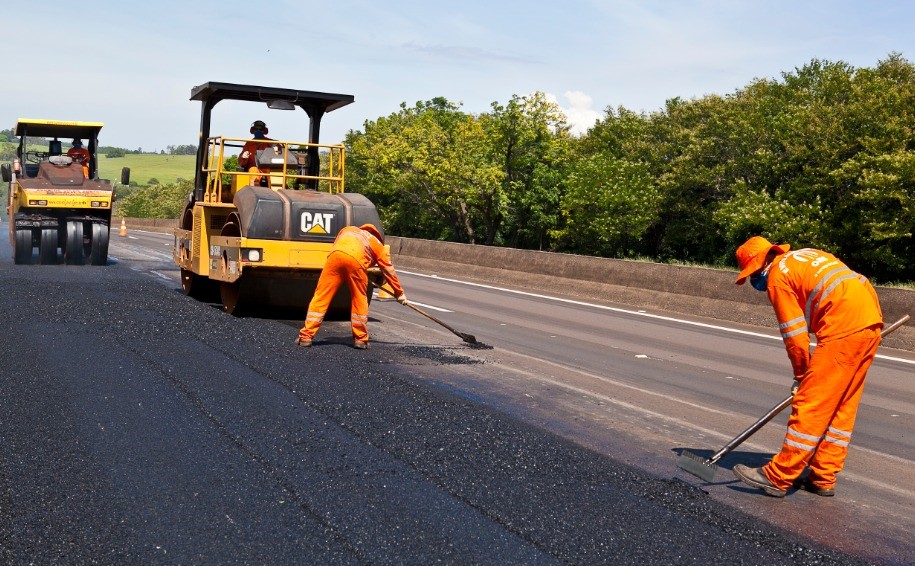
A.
pixel 740 438
pixel 422 312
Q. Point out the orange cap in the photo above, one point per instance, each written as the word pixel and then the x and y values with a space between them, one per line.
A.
pixel 751 256
pixel 370 228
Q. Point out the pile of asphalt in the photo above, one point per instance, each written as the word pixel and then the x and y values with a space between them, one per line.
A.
pixel 142 426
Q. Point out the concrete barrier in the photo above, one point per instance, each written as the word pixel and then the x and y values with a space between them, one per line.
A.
pixel 164 225
pixel 695 291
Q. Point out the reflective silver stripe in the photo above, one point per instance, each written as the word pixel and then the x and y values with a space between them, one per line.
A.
pixel 836 441
pixel 792 322
pixel 806 447
pixel 359 318
pixel 794 332
pixel 838 432
pixel 815 293
pixel 809 437
pixel 833 286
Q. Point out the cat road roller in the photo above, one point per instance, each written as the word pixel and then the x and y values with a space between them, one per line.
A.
pixel 56 199
pixel 256 239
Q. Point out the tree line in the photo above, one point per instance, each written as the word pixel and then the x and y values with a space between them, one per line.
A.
pixel 824 156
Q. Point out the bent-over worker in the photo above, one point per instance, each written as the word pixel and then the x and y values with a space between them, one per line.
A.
pixel 812 291
pixel 355 251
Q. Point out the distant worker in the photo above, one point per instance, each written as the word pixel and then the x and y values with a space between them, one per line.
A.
pixel 247 160
pixel 79 155
pixel 812 291
pixel 355 251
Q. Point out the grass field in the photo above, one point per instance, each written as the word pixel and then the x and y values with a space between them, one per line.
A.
pixel 143 167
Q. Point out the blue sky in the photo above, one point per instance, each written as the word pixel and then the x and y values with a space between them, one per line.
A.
pixel 132 64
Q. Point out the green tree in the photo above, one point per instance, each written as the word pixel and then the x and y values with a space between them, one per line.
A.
pixel 428 167
pixel 159 201
pixel 608 205
pixel 529 141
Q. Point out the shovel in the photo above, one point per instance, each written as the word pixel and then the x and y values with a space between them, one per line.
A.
pixel 469 338
pixel 705 469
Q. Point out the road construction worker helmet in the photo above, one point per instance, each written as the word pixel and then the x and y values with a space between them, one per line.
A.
pixel 371 229
pixel 751 256
pixel 259 125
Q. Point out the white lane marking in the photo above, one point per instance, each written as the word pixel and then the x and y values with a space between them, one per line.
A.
pixel 424 305
pixel 626 311
pixel 435 308
pixel 162 275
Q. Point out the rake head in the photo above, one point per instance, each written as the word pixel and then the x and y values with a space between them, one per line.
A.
pixel 469 338
pixel 697 465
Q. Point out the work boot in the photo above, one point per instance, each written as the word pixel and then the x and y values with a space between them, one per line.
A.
pixel 302 343
pixel 808 485
pixel 360 345
pixel 755 477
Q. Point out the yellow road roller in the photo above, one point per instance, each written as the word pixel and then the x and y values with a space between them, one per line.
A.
pixel 255 238
pixel 56 200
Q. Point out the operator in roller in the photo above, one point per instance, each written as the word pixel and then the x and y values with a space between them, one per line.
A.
pixel 79 155
pixel 355 250
pixel 812 291
pixel 247 159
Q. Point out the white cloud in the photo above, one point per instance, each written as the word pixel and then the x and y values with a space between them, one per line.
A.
pixel 579 111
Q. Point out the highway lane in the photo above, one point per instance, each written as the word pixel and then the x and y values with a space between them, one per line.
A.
pixel 641 386
pixel 625 385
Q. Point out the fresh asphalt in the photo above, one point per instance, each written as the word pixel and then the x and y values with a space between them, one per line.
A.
pixel 140 426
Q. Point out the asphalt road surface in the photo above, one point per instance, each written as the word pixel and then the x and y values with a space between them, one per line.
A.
pixel 139 425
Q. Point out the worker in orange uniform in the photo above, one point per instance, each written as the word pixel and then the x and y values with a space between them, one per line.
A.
pixel 355 251
pixel 247 159
pixel 812 291
pixel 79 155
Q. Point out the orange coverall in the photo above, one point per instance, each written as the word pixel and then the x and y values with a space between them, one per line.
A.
pixel 80 155
pixel 812 291
pixel 354 252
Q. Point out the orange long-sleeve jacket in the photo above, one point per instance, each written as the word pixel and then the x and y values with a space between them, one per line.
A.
pixel 248 156
pixel 812 291
pixel 369 251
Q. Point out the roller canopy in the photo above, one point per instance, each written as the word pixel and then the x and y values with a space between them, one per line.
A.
pixel 57 129
pixel 306 99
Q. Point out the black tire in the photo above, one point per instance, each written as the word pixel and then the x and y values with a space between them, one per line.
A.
pixel 47 248
pixel 199 287
pixel 98 253
pixel 74 250
pixel 24 245
pixel 229 293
